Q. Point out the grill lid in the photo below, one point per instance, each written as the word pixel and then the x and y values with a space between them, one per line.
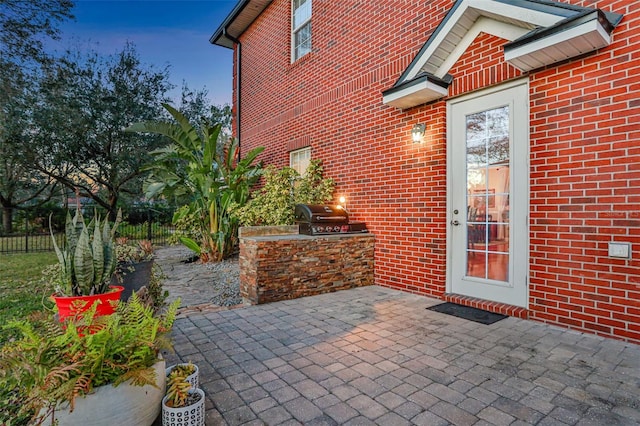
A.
pixel 317 213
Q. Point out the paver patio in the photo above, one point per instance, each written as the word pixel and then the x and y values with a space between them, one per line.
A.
pixel 373 355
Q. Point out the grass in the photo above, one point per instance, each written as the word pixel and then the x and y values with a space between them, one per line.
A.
pixel 21 288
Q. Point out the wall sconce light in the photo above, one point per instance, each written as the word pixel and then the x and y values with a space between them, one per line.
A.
pixel 417 132
pixel 342 203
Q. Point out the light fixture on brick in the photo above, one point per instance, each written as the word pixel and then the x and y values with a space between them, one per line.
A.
pixel 342 203
pixel 417 133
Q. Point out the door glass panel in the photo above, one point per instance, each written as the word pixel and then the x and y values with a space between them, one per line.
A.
pixel 488 190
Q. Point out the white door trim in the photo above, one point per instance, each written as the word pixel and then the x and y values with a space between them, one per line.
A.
pixel 520 225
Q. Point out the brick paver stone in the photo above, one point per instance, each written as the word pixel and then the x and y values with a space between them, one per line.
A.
pixel 372 356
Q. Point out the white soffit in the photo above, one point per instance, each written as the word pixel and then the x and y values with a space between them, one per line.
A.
pixel 482 25
pixel 540 32
pixel 239 19
pixel 465 15
pixel 547 49
pixel 419 92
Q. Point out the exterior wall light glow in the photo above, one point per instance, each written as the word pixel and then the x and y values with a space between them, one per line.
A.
pixel 417 132
pixel 342 203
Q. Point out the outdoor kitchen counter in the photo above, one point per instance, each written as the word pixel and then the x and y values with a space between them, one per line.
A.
pixel 279 267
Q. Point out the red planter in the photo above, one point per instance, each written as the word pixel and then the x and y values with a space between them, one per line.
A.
pixel 69 306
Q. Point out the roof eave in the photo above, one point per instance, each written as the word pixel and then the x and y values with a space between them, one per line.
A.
pixel 569 38
pixel 239 19
pixel 422 89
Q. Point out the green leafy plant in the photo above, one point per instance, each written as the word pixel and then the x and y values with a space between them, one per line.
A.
pixel 214 180
pixel 153 295
pixel 55 362
pixel 186 226
pixel 274 203
pixel 87 259
pixel 130 252
pixel 184 370
pixel 177 390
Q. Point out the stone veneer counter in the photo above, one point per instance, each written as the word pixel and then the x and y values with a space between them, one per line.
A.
pixel 280 267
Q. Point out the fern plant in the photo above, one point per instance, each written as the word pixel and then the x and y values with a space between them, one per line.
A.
pixel 56 362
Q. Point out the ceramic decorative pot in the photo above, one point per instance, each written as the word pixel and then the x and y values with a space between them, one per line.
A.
pixel 191 415
pixel 132 276
pixel 69 306
pixel 110 405
pixel 192 378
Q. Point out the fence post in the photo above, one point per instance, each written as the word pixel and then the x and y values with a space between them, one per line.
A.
pixel 149 236
pixel 26 233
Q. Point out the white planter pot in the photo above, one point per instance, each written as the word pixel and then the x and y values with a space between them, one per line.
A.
pixel 124 404
pixel 193 415
pixel 192 378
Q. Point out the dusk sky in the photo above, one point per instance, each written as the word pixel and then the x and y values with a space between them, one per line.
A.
pixel 174 32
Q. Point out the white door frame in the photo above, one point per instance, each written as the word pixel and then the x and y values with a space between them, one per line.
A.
pixel 519 223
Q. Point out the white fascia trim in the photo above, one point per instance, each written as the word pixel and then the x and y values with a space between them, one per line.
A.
pixel 521 14
pixel 483 7
pixel 437 41
pixel 415 94
pixel 529 49
pixel 482 25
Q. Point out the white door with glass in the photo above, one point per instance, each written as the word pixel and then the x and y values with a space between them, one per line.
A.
pixel 488 146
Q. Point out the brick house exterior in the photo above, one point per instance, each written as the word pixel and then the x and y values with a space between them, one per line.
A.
pixel 378 67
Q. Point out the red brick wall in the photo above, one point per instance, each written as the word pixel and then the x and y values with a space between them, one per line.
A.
pixel 585 185
pixel 584 131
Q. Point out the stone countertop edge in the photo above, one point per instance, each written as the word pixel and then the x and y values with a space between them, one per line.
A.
pixel 306 237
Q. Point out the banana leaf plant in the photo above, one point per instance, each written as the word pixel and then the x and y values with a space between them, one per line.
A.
pixel 194 166
pixel 88 259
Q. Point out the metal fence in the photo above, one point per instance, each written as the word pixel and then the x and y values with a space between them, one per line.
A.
pixel 30 240
pixel 158 234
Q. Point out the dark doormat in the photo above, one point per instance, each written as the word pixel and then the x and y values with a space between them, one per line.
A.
pixel 468 313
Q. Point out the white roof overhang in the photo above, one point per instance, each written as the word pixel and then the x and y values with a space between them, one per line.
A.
pixel 415 91
pixel 538 31
pixel 580 35
pixel 237 22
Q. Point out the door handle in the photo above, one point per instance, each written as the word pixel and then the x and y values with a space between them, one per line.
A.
pixel 455 223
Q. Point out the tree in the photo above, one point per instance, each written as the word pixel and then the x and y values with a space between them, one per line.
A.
pixel 24 25
pixel 19 185
pixel 192 166
pixel 196 107
pixel 85 104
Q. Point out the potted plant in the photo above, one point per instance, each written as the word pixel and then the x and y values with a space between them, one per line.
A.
pixel 98 370
pixel 87 262
pixel 134 265
pixel 183 405
pixel 188 370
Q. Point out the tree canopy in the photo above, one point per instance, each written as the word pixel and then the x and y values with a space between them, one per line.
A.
pixel 24 26
pixel 83 106
pixel 62 115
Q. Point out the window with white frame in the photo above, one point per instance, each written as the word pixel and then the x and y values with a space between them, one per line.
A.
pixel 301 28
pixel 299 160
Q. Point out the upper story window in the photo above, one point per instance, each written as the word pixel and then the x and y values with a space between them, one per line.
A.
pixel 301 28
pixel 299 160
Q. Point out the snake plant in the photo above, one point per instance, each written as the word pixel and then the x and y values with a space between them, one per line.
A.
pixel 87 259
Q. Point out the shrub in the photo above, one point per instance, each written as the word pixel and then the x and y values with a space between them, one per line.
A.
pixel 274 203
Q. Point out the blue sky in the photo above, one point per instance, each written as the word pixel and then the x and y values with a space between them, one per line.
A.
pixel 173 32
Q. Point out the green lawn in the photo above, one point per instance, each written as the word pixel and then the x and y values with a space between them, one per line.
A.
pixel 21 289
